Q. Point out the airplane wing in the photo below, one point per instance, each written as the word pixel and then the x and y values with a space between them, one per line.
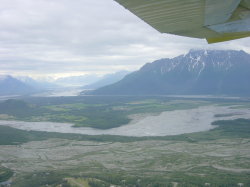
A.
pixel 215 20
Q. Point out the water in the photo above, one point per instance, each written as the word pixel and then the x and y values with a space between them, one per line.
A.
pixel 5 97
pixel 59 92
pixel 65 92
pixel 167 123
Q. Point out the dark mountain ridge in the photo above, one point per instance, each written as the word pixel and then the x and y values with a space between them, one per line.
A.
pixel 200 72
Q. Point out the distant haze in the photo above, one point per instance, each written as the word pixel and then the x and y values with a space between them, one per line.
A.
pixel 45 38
pixel 66 86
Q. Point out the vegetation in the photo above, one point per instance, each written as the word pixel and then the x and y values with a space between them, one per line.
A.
pixel 96 112
pixel 239 128
pixel 186 160
pixel 40 179
pixel 119 178
pixel 5 174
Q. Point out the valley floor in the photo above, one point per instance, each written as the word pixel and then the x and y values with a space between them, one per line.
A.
pixel 224 161
pixel 218 157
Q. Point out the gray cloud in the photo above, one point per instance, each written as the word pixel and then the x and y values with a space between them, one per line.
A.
pixel 46 37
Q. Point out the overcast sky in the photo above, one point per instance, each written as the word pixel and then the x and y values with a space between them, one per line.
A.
pixel 75 37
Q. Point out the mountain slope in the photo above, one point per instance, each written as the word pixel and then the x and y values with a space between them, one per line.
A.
pixel 37 84
pixel 198 72
pixel 107 79
pixel 13 86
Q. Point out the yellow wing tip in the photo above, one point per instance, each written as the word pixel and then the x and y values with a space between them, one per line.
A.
pixel 227 37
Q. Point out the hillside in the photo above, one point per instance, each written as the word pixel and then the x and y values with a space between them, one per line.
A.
pixel 12 86
pixel 107 79
pixel 214 72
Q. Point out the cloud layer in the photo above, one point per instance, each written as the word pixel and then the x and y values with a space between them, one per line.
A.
pixel 63 37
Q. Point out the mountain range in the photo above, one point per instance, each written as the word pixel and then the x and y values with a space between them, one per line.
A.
pixel 23 85
pixel 37 84
pixel 107 80
pixel 199 72
pixel 12 86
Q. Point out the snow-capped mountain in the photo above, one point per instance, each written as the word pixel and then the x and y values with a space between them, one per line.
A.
pixel 197 72
pixel 197 61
